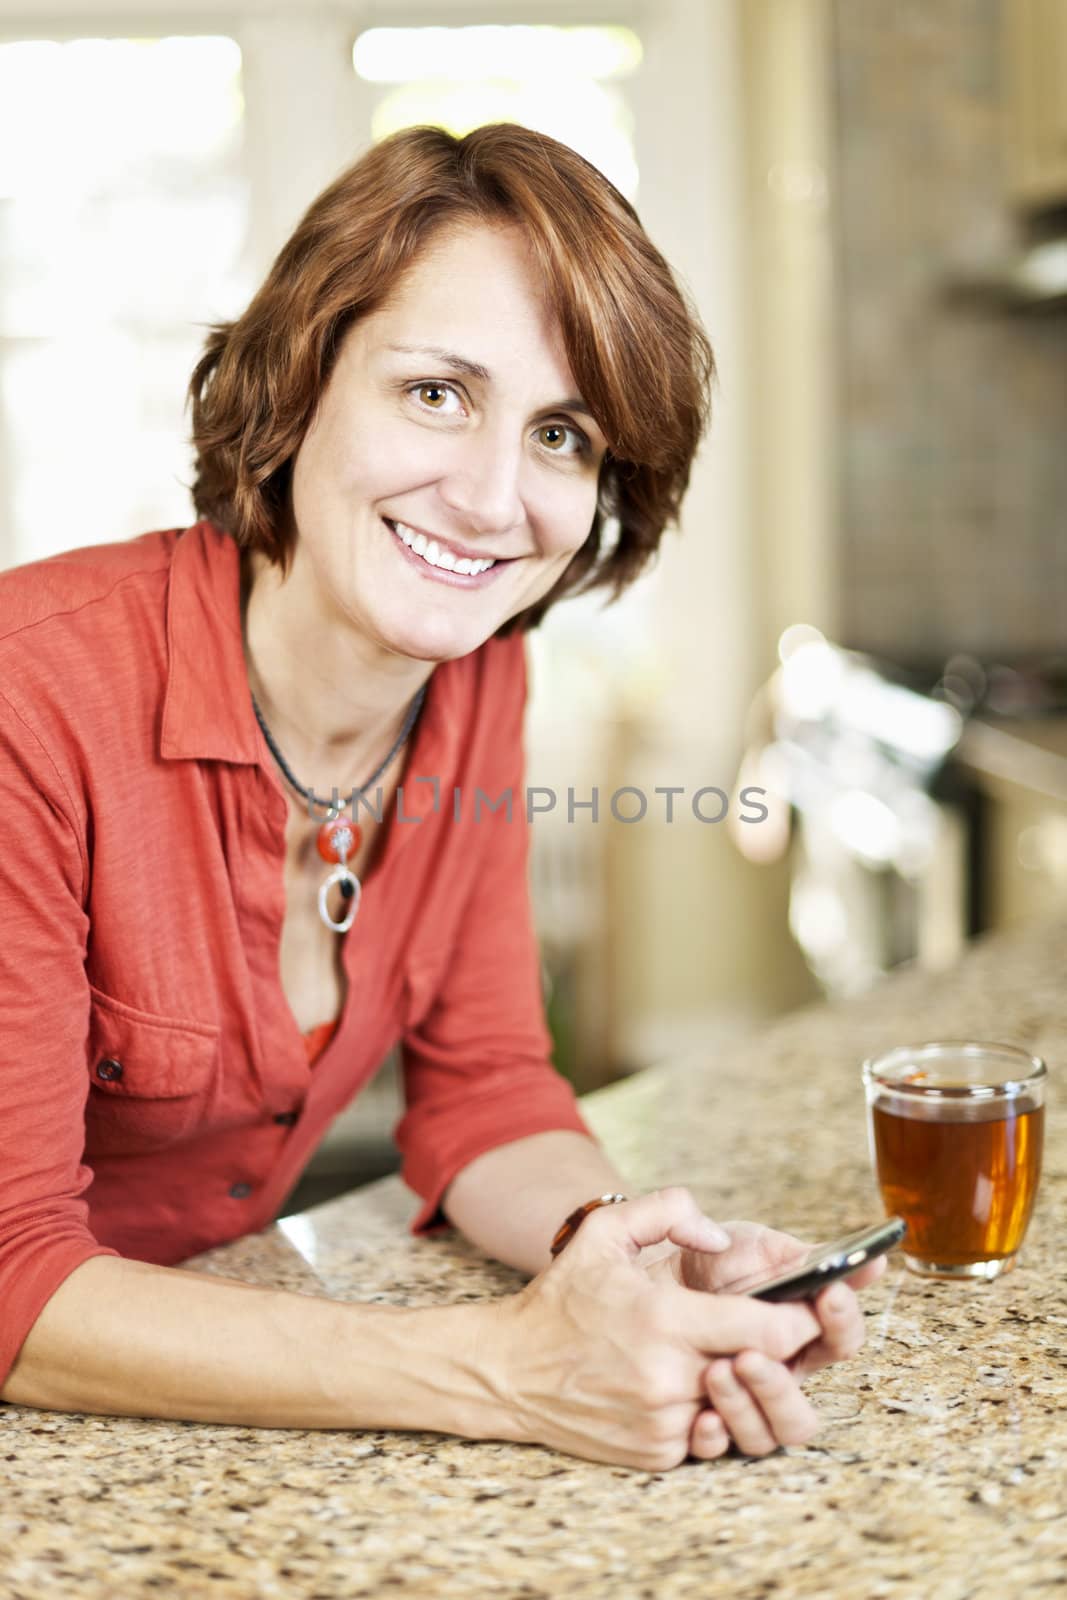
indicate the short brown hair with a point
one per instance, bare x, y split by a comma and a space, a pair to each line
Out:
636, 349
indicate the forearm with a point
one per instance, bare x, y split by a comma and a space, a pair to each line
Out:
124, 1338
511, 1200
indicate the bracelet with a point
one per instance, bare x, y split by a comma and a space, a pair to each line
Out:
574, 1221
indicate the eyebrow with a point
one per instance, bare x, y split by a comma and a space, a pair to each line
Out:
474, 369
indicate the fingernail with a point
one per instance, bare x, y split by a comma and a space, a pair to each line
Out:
836, 1298
716, 1235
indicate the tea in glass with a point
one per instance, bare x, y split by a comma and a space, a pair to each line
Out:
956, 1132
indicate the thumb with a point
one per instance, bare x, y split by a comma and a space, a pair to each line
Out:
664, 1214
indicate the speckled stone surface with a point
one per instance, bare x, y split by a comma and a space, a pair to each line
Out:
940, 1472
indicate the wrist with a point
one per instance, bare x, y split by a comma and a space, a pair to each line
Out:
446, 1371
573, 1221
501, 1368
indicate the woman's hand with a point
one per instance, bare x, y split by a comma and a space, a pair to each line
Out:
758, 1404
599, 1357
755, 1249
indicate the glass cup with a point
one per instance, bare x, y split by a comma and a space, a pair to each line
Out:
956, 1135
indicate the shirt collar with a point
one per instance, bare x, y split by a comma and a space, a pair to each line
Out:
207, 708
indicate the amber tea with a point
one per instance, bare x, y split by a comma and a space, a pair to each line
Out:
956, 1140
966, 1188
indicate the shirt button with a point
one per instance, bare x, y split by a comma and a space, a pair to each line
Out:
109, 1069
240, 1191
287, 1118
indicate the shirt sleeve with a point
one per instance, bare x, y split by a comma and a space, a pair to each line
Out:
44, 1016
478, 1067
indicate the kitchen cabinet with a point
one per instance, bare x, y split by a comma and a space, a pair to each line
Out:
1035, 102
1026, 858
1021, 771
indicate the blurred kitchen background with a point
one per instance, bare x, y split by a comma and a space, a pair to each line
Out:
864, 612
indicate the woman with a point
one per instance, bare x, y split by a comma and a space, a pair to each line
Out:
465, 360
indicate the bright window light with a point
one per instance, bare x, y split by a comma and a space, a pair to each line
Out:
396, 55
123, 212
566, 82
73, 110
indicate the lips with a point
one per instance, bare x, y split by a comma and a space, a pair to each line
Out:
442, 562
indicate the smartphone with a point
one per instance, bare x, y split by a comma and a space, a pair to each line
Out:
822, 1265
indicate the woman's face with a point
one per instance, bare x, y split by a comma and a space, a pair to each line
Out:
450, 430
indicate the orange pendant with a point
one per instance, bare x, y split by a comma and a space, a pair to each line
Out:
339, 839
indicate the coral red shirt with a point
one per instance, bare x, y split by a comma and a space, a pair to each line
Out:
158, 1095
316, 1039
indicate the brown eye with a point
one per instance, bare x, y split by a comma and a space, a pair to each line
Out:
432, 394
561, 440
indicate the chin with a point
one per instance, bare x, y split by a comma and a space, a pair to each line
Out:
425, 641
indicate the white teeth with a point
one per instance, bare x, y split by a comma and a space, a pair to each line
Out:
436, 556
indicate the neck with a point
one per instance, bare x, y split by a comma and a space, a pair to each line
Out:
334, 700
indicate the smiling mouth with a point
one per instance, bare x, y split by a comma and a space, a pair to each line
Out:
432, 554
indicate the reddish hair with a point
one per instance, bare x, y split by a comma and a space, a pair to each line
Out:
637, 351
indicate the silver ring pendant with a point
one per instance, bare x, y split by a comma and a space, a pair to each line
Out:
340, 874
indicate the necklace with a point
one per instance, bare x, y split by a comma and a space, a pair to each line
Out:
338, 837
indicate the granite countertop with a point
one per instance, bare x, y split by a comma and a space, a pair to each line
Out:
940, 1472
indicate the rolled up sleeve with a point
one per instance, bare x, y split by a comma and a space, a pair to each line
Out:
44, 1010
477, 1068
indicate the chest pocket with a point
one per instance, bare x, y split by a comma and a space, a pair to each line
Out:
152, 1079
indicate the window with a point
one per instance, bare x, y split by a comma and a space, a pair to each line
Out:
123, 209
566, 82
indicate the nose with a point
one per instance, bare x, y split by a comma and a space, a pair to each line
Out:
482, 485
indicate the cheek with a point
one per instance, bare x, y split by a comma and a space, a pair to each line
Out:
326, 467
368, 460
566, 518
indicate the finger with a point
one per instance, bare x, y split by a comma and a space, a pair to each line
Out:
741, 1415
869, 1273
664, 1214
754, 1252
789, 1414
767, 1247
722, 1324
708, 1437
841, 1318
843, 1331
